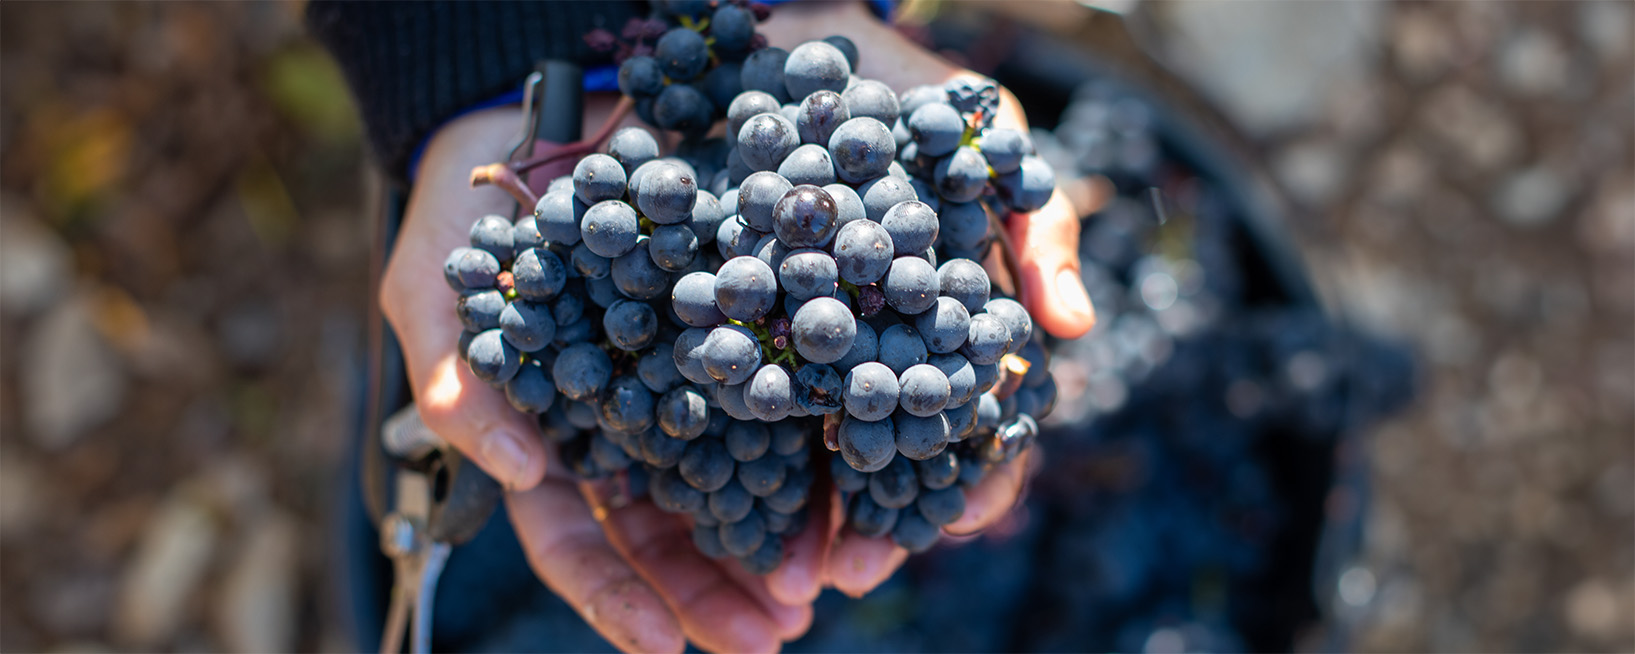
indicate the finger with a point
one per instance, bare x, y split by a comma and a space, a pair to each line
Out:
457, 406
792, 619
1047, 242
857, 564
799, 579
566, 549
992, 498
715, 612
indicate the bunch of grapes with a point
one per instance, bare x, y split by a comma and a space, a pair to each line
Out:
834, 307
684, 80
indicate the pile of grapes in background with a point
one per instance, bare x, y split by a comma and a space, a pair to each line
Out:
695, 325
1173, 512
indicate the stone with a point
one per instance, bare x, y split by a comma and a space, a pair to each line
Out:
36, 266
1532, 197
1533, 62
71, 380
1314, 172
170, 563
256, 611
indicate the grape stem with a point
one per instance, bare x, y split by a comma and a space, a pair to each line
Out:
508, 175
1007, 252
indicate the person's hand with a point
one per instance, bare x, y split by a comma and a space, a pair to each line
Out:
635, 576
1046, 241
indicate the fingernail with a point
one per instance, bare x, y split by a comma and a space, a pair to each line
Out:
1070, 292
506, 458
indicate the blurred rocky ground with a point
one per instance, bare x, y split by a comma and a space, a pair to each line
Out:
184, 274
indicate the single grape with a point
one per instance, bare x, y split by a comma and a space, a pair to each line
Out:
763, 71
818, 390
937, 128
867, 446
914, 533
845, 477
789, 499
706, 465
902, 346
919, 96
491, 358
630, 325
764, 559
961, 376
538, 275
938, 472
770, 393
682, 413
869, 519
924, 390
733, 239
610, 228
765, 139
848, 204
895, 486
814, 66
673, 247
731, 399
598, 177
988, 339
530, 391
974, 94
608, 455
632, 147
862, 149
689, 357
920, 437
747, 441
820, 113
966, 282
525, 235
527, 326
1029, 187
945, 326
865, 347
823, 330
806, 274
708, 541
581, 371
874, 100
636, 276
771, 251
910, 285
763, 476
640, 77
492, 234
732, 27
479, 310
845, 46
925, 193
757, 197
730, 354
681, 54
1016, 318
721, 84
745, 289
731, 503
589, 264
742, 538
871, 391
470, 268
672, 494
808, 164
863, 251
627, 405
1004, 148
961, 176
881, 195
668, 192
693, 299
708, 214
657, 368
961, 421
912, 225
805, 217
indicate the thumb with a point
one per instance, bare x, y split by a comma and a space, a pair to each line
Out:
477, 420
1047, 244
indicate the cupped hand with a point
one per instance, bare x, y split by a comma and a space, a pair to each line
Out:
1046, 242
632, 574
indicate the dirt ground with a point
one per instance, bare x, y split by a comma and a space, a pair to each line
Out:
184, 240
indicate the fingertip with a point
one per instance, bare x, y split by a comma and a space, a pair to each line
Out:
857, 564
515, 461
989, 500
1052, 290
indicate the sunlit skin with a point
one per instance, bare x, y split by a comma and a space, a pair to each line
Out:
630, 570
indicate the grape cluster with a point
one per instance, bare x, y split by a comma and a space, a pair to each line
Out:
687, 77
701, 342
